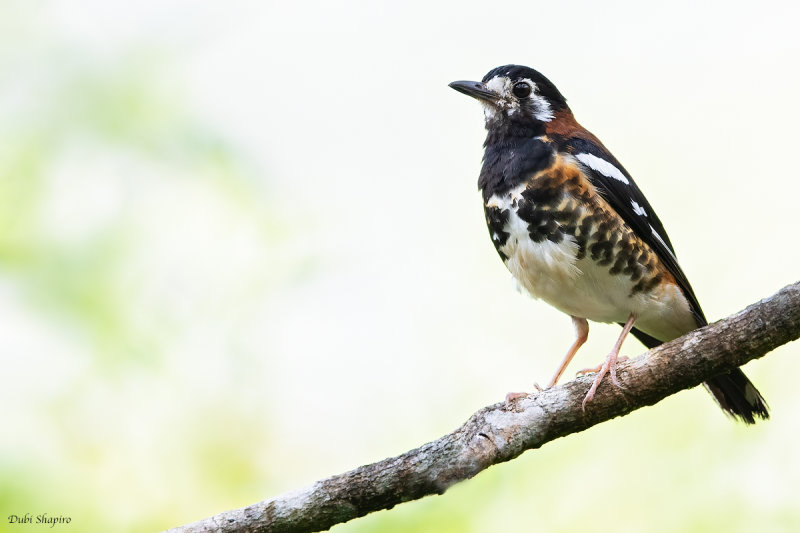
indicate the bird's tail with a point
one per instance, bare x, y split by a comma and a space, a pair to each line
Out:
738, 397
734, 393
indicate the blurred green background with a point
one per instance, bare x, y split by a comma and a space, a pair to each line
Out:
242, 249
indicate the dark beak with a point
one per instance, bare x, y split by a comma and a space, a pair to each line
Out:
474, 89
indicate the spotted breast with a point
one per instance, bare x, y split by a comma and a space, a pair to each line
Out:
563, 243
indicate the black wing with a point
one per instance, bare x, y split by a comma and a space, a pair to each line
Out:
614, 183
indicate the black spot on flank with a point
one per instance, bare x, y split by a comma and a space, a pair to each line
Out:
586, 226
614, 239
581, 248
633, 269
653, 283
625, 250
639, 287
496, 220
646, 285
604, 226
566, 216
600, 236
617, 268
607, 256
599, 250
542, 195
550, 227
543, 222
540, 228
537, 236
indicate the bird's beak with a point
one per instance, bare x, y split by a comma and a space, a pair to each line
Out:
476, 90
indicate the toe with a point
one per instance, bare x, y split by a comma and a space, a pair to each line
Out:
511, 396
590, 370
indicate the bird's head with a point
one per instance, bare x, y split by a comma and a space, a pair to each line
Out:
517, 100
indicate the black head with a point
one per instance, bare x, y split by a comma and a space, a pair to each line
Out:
516, 99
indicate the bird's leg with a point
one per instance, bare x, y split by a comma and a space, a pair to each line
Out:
581, 334
609, 366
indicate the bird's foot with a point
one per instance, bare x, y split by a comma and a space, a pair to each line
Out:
511, 396
609, 367
598, 368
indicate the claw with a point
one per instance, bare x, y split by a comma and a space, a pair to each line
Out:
609, 366
592, 370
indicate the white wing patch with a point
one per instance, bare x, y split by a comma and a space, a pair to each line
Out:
659, 239
639, 210
602, 166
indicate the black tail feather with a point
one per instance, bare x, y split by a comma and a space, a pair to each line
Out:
734, 393
738, 397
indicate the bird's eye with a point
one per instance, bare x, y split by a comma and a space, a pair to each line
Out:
521, 89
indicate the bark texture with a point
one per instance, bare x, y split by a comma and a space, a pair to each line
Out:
501, 432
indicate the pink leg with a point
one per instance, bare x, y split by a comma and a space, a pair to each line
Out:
581, 334
609, 366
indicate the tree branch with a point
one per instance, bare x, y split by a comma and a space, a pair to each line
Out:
499, 433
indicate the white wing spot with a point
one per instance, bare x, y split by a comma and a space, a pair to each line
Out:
659, 239
602, 166
639, 210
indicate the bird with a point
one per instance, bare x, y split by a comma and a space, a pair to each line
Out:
575, 230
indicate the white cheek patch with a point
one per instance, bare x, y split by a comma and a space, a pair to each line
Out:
639, 210
498, 85
602, 166
543, 111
